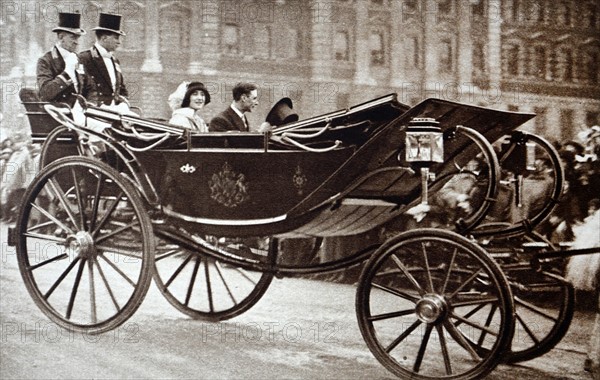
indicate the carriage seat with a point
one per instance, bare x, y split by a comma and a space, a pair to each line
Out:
40, 122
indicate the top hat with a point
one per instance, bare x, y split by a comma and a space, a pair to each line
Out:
69, 22
282, 113
193, 87
110, 23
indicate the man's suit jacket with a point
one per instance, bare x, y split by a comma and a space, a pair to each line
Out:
96, 71
227, 120
54, 84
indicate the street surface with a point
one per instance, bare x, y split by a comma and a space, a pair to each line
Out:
301, 329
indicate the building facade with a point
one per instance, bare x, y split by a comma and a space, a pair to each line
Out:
536, 56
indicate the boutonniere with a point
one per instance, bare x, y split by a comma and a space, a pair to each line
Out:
117, 67
80, 70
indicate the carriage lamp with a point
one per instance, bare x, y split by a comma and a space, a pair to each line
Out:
424, 146
424, 141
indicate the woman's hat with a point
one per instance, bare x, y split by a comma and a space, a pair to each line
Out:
193, 87
282, 113
69, 22
110, 23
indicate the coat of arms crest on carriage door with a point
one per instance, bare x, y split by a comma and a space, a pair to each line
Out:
228, 187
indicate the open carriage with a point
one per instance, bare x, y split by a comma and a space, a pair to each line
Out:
205, 215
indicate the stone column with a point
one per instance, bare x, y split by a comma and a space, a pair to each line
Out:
397, 61
465, 47
362, 74
494, 58
152, 61
204, 49
322, 37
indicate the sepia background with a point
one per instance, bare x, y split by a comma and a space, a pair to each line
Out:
536, 56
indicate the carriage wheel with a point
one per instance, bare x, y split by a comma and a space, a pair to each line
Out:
431, 304
544, 301
85, 245
481, 168
206, 288
59, 143
544, 171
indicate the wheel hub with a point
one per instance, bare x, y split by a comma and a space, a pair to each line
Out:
431, 308
81, 244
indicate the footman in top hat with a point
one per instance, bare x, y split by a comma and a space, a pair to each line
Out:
101, 67
59, 74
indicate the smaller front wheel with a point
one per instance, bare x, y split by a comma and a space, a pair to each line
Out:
431, 304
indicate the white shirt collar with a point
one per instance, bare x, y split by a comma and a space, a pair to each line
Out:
63, 52
103, 52
238, 112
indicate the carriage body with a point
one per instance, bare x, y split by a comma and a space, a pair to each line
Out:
209, 205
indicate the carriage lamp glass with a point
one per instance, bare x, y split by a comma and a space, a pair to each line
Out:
424, 140
530, 157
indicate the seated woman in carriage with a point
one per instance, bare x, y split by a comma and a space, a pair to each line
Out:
187, 102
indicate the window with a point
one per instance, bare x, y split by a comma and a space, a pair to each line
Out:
512, 58
231, 39
563, 13
478, 59
539, 60
589, 66
478, 9
174, 35
592, 118
515, 10
566, 120
262, 41
591, 16
341, 49
376, 45
444, 7
411, 46
513, 108
446, 56
565, 64
410, 9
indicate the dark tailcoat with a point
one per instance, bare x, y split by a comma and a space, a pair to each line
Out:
54, 84
227, 120
96, 71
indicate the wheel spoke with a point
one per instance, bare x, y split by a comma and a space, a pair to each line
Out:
427, 269
63, 201
402, 336
457, 334
488, 321
79, 196
96, 203
92, 292
107, 285
422, 348
410, 277
478, 301
178, 270
119, 251
474, 324
396, 292
449, 271
465, 283
107, 215
527, 329
208, 286
45, 262
49, 238
60, 278
444, 346
220, 272
192, 281
119, 271
52, 218
394, 314
117, 231
528, 305
75, 288
167, 254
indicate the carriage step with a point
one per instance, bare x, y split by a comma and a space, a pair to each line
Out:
12, 237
